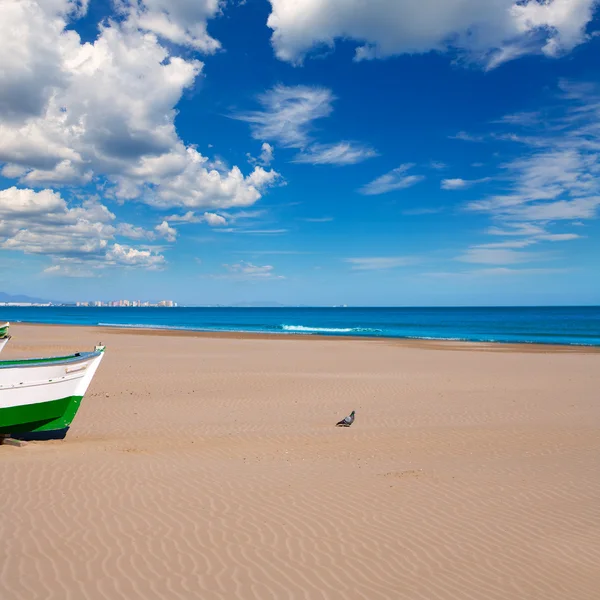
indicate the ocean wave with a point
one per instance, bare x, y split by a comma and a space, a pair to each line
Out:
145, 326
306, 329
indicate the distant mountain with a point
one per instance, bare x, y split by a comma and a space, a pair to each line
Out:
21, 298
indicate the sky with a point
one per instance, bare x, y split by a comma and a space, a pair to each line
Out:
313, 152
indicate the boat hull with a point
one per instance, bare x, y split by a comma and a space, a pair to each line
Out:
3, 342
50, 419
39, 399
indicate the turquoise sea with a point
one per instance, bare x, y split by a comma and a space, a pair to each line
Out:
547, 325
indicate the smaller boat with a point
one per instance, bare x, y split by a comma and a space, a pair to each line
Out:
4, 337
39, 397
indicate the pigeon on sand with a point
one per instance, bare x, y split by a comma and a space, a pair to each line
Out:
346, 421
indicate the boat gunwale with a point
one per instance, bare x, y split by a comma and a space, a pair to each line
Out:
49, 361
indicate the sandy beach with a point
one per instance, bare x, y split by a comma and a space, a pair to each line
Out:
209, 467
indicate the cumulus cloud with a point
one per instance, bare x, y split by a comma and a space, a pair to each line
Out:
43, 223
76, 112
488, 33
287, 118
182, 22
397, 179
267, 154
132, 257
379, 263
214, 219
166, 231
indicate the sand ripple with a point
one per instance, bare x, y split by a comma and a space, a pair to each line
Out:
214, 472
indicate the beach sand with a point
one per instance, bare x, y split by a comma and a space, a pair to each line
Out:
209, 467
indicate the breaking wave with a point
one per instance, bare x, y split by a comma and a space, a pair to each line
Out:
305, 329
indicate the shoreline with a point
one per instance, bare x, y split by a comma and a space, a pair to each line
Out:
416, 343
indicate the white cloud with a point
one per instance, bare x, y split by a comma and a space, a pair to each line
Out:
394, 180
133, 232
580, 208
181, 22
287, 117
32, 38
42, 223
76, 238
378, 263
497, 256
558, 237
185, 180
453, 184
529, 119
508, 244
132, 257
76, 112
267, 154
490, 32
288, 114
254, 231
189, 217
460, 184
517, 229
557, 175
214, 220
507, 251
340, 153
246, 271
166, 231
67, 270
318, 219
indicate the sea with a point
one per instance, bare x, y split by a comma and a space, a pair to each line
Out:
569, 325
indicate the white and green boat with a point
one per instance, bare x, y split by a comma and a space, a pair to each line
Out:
4, 337
39, 397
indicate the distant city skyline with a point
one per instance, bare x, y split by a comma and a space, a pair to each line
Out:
125, 303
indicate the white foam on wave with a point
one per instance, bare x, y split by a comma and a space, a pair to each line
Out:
306, 329
142, 326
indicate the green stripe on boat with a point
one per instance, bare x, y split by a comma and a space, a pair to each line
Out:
42, 416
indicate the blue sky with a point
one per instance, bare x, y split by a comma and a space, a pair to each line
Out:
364, 153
